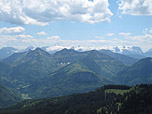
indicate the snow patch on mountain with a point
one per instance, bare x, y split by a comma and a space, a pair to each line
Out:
127, 50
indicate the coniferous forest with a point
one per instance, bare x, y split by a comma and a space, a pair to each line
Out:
109, 99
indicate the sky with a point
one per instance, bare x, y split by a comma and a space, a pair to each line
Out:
89, 24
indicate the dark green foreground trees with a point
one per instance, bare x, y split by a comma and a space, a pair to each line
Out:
110, 99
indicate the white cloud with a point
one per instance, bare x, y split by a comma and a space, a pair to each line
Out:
141, 38
7, 38
135, 7
100, 37
147, 31
24, 36
14, 40
41, 12
144, 41
42, 33
53, 38
110, 34
11, 30
150, 30
125, 34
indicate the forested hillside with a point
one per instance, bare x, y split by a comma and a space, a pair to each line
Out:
8, 97
109, 99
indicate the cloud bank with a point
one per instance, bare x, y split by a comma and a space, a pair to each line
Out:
41, 33
127, 39
41, 12
11, 30
135, 7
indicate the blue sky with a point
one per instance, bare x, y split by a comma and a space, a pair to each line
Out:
76, 23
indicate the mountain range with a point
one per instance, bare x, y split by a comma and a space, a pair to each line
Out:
131, 51
38, 74
82, 75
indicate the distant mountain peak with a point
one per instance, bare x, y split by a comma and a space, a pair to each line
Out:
30, 48
38, 49
127, 50
94, 51
38, 52
66, 51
